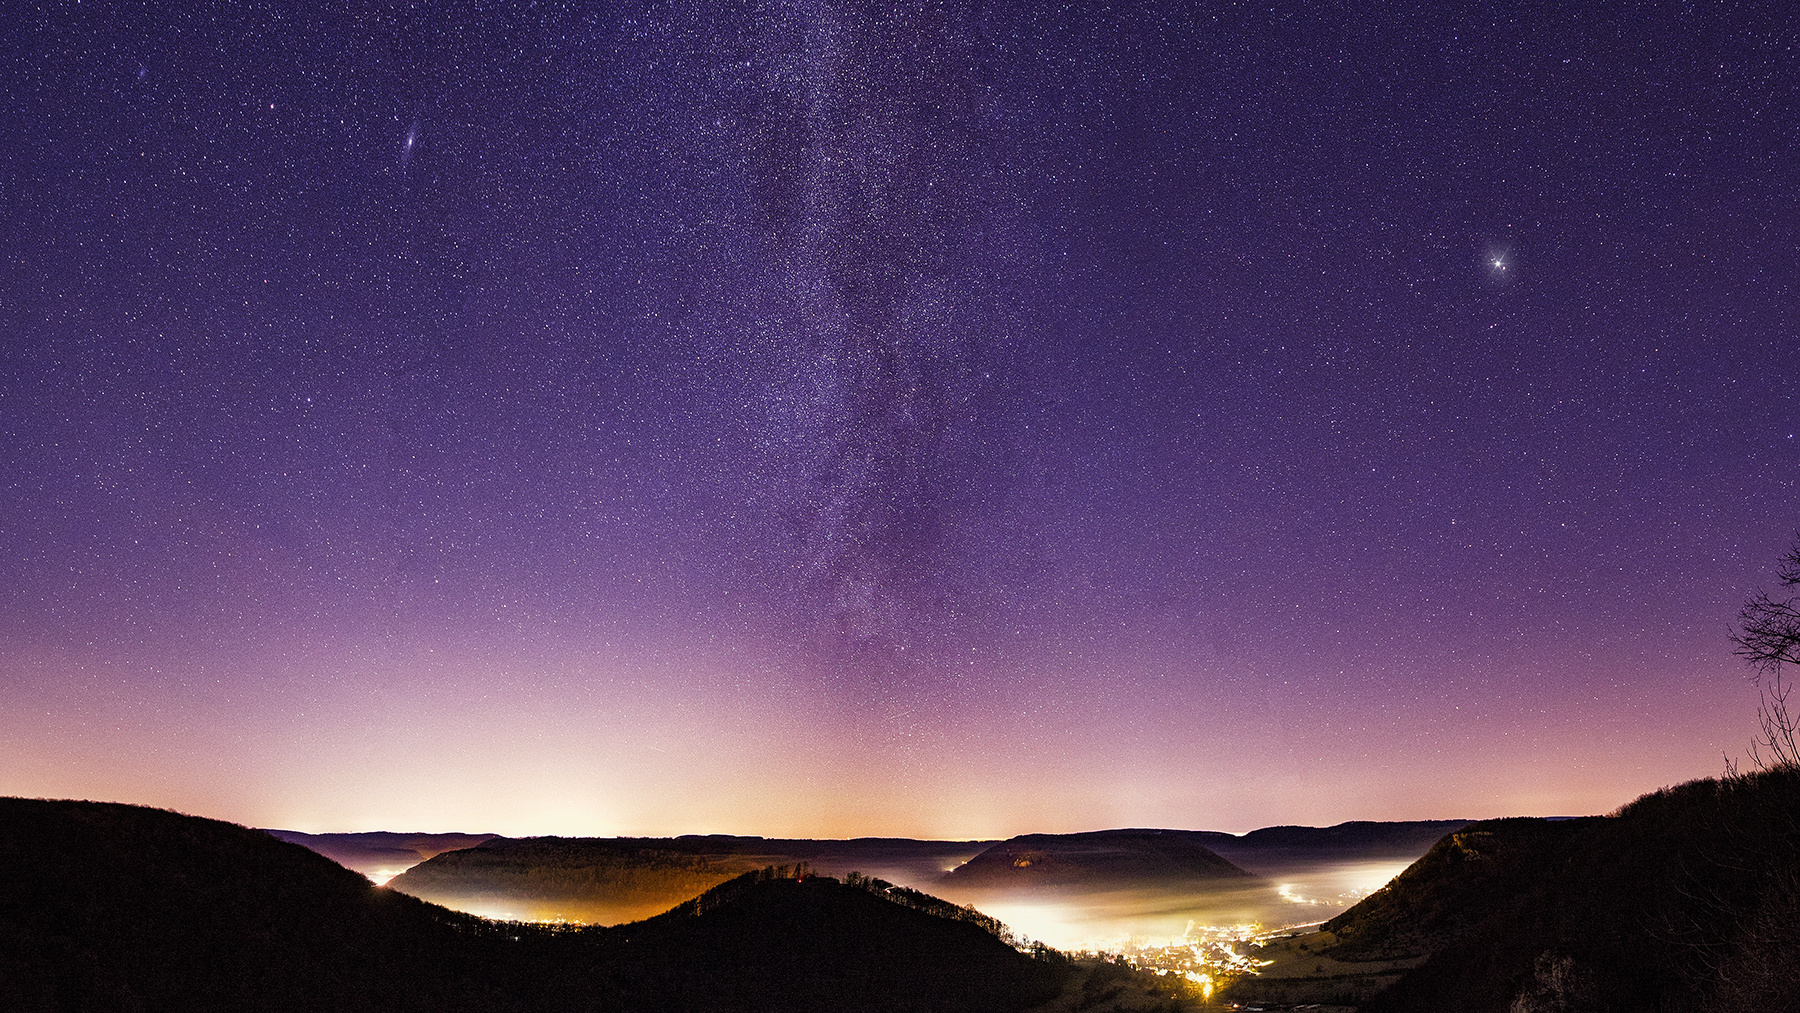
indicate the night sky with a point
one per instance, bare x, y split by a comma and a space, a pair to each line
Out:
830, 419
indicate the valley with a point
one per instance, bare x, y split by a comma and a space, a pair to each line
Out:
1684, 898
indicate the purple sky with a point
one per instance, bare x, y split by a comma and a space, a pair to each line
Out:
812, 419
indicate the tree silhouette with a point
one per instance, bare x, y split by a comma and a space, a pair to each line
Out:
1768, 637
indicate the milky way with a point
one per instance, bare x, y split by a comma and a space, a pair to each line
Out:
833, 418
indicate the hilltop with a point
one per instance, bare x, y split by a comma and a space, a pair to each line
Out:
1169, 858
813, 943
1687, 898
1272, 849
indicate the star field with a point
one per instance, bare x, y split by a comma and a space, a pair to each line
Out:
836, 419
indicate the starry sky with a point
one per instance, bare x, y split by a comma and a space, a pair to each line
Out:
943, 420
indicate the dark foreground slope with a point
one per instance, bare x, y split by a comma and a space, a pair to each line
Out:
116, 907
113, 907
1686, 899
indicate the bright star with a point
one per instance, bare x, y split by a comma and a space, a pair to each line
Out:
1499, 262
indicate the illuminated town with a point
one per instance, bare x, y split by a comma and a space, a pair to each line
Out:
1211, 956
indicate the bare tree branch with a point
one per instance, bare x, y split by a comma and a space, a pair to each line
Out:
1767, 638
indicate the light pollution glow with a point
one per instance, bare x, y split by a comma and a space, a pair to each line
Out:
564, 751
811, 428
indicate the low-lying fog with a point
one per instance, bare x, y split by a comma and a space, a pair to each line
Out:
1068, 919
1108, 919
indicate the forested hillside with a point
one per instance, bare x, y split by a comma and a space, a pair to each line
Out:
1686, 899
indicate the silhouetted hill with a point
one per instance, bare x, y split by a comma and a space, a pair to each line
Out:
586, 880
1464, 880
617, 879
1686, 899
108, 907
1359, 840
115, 907
381, 854
815, 944
614, 880
1102, 858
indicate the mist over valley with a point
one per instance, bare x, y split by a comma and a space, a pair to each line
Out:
1091, 891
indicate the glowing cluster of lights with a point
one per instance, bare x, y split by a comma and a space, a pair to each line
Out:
1206, 956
